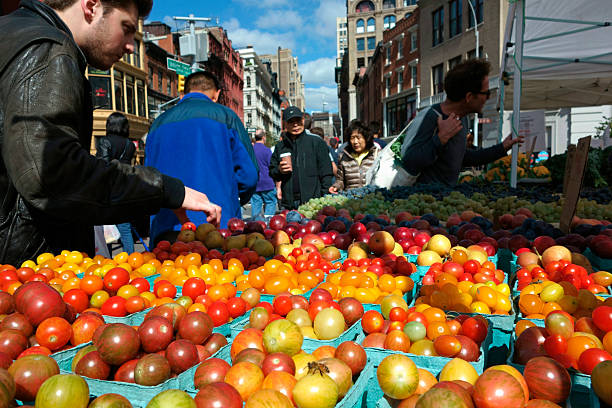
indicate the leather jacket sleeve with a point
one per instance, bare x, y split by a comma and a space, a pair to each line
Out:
45, 147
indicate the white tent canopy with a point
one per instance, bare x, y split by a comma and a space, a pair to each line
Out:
567, 54
558, 53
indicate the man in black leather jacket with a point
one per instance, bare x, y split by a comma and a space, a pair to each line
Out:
52, 191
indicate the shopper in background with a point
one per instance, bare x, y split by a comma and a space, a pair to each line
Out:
264, 200
358, 156
116, 145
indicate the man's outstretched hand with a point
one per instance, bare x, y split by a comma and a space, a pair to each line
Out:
196, 201
509, 141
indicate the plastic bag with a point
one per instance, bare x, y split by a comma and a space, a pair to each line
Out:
100, 241
111, 233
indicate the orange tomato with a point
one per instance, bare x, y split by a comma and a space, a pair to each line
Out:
91, 284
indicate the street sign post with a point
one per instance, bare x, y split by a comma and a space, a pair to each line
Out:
179, 67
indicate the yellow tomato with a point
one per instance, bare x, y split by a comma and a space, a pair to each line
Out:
127, 291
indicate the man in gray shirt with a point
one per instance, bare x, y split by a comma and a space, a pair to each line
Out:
439, 150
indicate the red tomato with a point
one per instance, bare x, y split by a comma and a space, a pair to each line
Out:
351, 262
372, 321
314, 256
77, 298
25, 273
555, 344
159, 282
602, 317
114, 306
237, 307
194, 287
316, 306
471, 266
219, 313
296, 252
188, 226
397, 314
8, 276
53, 333
282, 305
204, 299
267, 306
474, 328
364, 262
590, 358
166, 290
116, 278
417, 317
141, 284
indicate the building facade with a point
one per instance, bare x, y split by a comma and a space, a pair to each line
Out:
288, 76
366, 21
162, 83
261, 100
122, 88
450, 38
341, 39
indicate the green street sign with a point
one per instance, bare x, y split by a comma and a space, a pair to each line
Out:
179, 67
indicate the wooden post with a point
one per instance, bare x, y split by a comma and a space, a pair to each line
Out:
571, 151
574, 183
530, 152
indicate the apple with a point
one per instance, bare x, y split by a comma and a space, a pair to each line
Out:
297, 235
225, 233
327, 239
384, 217
474, 235
358, 217
280, 237
268, 233
414, 250
303, 230
542, 243
489, 249
373, 226
342, 241
390, 229
517, 242
381, 242
254, 226
518, 220
336, 225
421, 238
453, 220
328, 210
277, 222
313, 227
321, 218
421, 225
333, 234
314, 240
235, 224
290, 229
402, 233
505, 221
406, 243
284, 250
365, 237
403, 216
357, 229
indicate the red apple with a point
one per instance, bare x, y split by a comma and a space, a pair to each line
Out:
278, 222
268, 233
235, 224
313, 227
307, 248
357, 229
421, 238
381, 242
225, 233
314, 240
365, 237
328, 210
327, 239
336, 225
401, 233
358, 217
402, 216
373, 226
414, 250
333, 234
342, 241
406, 243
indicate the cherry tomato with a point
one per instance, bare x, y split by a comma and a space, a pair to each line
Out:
316, 306
602, 317
555, 344
77, 298
24, 273
471, 267
53, 333
114, 306
590, 358
282, 305
237, 307
141, 284
194, 287
219, 313
116, 278
474, 328
372, 322
397, 314
166, 290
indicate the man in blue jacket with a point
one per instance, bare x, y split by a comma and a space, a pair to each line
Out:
204, 144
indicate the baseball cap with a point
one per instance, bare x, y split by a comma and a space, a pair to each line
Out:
292, 112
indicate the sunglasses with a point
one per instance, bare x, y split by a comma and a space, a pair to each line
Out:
487, 93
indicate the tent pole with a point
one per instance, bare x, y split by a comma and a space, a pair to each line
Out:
518, 78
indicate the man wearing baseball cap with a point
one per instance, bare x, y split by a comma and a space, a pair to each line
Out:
300, 162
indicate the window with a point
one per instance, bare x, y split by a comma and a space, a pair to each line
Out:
150, 75
413, 76
129, 94
472, 54
413, 41
387, 4
140, 94
400, 48
389, 22
169, 86
361, 44
388, 56
136, 58
410, 2
369, 60
371, 43
360, 62
100, 88
437, 79
371, 25
455, 7
248, 81
400, 81
249, 118
360, 26
160, 80
387, 86
364, 7
118, 89
438, 26
248, 100
478, 9
453, 62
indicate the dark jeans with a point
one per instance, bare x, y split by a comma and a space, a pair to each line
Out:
126, 237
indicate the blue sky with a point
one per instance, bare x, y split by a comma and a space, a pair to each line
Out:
307, 27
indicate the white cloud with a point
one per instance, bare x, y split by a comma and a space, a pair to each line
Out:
279, 19
318, 72
263, 3
316, 96
262, 42
324, 22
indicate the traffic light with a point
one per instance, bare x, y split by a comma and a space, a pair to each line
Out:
181, 84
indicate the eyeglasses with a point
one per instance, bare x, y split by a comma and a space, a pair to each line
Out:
487, 93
